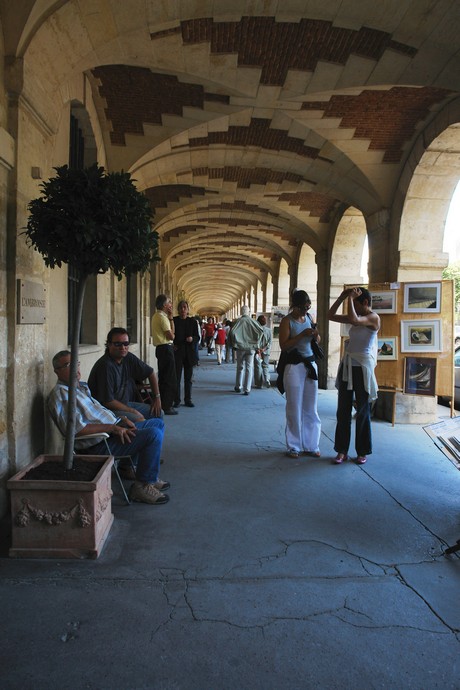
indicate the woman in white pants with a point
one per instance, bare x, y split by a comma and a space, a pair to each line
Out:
303, 425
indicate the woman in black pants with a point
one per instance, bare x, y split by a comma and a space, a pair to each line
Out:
356, 372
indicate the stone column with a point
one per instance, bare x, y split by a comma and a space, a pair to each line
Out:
421, 265
293, 278
275, 291
378, 234
323, 263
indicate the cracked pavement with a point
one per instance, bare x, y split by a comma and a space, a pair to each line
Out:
261, 572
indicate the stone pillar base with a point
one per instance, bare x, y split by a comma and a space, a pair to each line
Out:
415, 409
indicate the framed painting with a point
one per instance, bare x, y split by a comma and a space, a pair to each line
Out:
278, 313
387, 349
421, 336
384, 302
420, 297
420, 375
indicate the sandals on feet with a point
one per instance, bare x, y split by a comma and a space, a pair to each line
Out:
361, 459
293, 453
341, 457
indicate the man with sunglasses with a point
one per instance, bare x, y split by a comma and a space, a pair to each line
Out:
113, 378
143, 439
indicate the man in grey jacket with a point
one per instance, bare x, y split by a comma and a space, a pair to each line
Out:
246, 336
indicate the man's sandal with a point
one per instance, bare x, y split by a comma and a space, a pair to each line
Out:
361, 459
341, 457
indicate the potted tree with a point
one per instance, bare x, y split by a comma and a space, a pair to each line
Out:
95, 222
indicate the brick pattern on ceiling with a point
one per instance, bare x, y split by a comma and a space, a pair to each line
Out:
245, 177
387, 118
318, 205
271, 232
276, 47
240, 205
258, 133
181, 230
135, 95
162, 195
218, 260
237, 237
248, 249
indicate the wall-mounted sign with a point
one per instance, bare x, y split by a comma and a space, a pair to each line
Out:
31, 302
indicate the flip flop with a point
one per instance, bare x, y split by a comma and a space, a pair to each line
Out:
341, 457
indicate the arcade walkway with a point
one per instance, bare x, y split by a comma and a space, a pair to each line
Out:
261, 573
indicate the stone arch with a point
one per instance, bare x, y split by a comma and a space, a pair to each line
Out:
259, 296
426, 206
423, 197
269, 293
346, 259
283, 284
307, 274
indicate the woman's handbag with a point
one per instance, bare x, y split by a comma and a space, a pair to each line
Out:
315, 346
317, 349
280, 371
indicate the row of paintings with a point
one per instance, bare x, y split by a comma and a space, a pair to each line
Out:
418, 297
416, 336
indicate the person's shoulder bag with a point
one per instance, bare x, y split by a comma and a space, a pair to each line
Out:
315, 346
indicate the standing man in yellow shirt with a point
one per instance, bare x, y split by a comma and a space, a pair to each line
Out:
162, 338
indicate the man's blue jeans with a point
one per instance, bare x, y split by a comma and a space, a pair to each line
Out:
146, 445
141, 407
244, 369
363, 436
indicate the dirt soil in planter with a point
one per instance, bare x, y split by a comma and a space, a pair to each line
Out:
82, 471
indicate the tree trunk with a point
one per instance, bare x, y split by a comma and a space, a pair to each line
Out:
71, 412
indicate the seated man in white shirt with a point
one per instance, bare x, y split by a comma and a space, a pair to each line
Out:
142, 439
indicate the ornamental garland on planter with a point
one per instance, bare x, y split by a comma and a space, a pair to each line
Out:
28, 511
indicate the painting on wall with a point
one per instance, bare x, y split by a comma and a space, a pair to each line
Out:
277, 314
384, 302
421, 336
420, 297
420, 375
387, 349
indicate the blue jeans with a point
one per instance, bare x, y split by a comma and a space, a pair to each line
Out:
146, 445
244, 369
141, 407
363, 436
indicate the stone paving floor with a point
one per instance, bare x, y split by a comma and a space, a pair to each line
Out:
262, 572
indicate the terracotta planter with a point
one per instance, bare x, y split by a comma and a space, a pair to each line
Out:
61, 519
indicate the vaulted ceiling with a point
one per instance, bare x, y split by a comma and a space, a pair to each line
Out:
251, 126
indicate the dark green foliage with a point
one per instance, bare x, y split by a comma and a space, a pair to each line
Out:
452, 272
94, 221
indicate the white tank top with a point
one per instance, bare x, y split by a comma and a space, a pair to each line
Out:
363, 341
